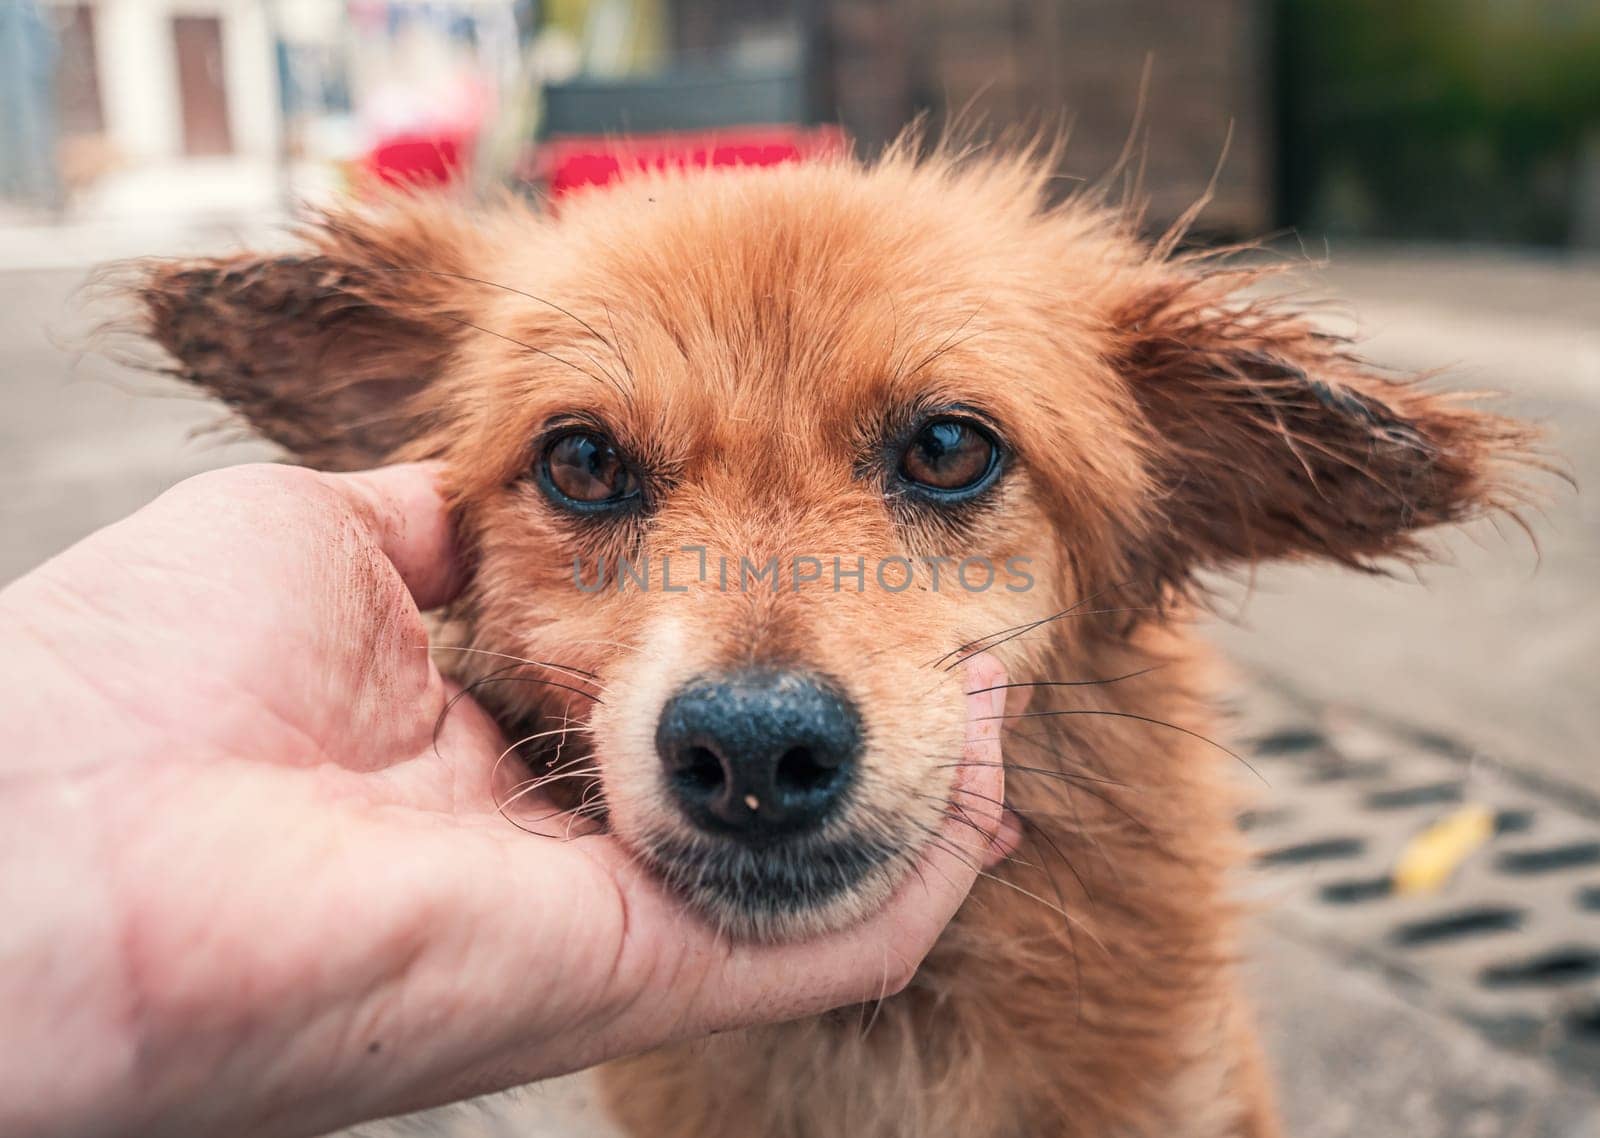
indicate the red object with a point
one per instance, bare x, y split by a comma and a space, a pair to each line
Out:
417, 159
569, 163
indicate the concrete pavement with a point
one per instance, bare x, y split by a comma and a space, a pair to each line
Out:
82, 442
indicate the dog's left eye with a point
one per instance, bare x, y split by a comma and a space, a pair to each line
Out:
584, 472
950, 457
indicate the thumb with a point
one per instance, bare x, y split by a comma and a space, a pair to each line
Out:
405, 513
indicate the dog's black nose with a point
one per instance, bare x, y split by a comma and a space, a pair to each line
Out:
759, 754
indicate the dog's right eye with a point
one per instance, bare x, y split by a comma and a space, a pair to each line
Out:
584, 471
950, 459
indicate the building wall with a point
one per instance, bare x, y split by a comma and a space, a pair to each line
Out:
1049, 64
138, 76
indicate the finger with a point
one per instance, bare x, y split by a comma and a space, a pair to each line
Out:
985, 682
989, 706
407, 516
1017, 701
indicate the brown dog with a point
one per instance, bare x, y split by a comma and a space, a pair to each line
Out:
929, 415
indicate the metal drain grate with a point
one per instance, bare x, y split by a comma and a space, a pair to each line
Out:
1510, 943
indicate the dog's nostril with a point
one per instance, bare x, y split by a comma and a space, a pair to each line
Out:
700, 769
758, 753
800, 770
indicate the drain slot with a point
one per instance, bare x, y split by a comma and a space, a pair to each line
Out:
1355, 891
1290, 742
1552, 859
1548, 970
1329, 849
1460, 925
1256, 819
1513, 821
1428, 795
1349, 770
1589, 898
1584, 1024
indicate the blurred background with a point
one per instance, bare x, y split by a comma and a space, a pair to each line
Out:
1434, 163
1440, 120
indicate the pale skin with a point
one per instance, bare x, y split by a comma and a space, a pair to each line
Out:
244, 890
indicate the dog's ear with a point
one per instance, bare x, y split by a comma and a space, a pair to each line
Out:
329, 350
1269, 438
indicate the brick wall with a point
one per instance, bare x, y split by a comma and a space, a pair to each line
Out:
1044, 62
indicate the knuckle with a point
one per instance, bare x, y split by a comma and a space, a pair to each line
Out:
278, 490
255, 482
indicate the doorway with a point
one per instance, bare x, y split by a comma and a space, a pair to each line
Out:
202, 89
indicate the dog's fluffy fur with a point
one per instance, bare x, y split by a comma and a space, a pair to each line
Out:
750, 337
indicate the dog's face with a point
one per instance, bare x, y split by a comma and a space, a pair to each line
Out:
746, 463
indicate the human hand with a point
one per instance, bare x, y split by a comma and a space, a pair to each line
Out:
248, 893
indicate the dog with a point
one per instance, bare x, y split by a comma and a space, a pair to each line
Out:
841, 378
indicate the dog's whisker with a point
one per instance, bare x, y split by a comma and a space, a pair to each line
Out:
565, 729
944, 843
564, 770
582, 323
543, 818
1036, 831
568, 668
1067, 683
582, 809
973, 646
1078, 829
557, 684
1049, 772
540, 783
1154, 722
450, 705
535, 350
1071, 920
1067, 823
940, 842
1024, 631
950, 342
555, 762
1042, 833
616, 346
501, 675
599, 642
956, 813
1092, 791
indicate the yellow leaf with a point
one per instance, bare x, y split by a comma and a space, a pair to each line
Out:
1432, 857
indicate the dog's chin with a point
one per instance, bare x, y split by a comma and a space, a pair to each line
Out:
792, 890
